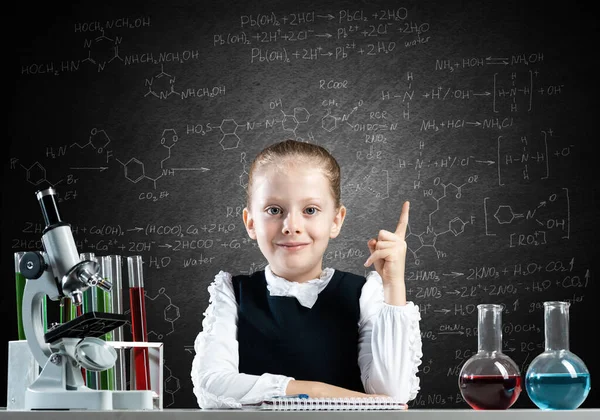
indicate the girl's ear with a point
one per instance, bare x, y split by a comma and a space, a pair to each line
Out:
337, 223
249, 223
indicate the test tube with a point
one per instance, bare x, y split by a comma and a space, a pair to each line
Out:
89, 295
105, 303
117, 307
92, 379
68, 311
139, 330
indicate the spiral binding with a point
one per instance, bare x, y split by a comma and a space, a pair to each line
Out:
333, 404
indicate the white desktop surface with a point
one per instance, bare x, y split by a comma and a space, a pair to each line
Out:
410, 414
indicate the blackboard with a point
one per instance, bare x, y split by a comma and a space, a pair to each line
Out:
145, 117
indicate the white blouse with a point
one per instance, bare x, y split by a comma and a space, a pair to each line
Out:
389, 344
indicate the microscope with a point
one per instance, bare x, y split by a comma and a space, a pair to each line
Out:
62, 351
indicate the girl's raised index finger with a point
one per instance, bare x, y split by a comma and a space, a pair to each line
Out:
403, 222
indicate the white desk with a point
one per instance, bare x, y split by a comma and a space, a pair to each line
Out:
411, 414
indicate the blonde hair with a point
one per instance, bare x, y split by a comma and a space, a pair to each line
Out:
281, 153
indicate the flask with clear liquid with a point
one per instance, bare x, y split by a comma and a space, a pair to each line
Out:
557, 379
490, 380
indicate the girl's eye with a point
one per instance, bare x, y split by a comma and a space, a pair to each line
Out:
312, 210
273, 211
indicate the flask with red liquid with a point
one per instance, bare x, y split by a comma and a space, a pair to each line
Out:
490, 380
137, 306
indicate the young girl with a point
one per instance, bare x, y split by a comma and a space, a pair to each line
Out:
296, 327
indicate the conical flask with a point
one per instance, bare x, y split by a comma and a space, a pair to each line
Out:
557, 379
490, 380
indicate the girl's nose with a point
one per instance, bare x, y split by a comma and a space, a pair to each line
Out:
292, 224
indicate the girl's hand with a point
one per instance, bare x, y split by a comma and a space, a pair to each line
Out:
388, 251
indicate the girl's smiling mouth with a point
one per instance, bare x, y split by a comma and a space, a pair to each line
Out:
293, 246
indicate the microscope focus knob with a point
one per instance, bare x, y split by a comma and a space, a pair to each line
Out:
32, 265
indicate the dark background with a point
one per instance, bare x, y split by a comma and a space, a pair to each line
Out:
145, 116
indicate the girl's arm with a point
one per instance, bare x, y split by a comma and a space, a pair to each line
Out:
321, 390
390, 347
215, 368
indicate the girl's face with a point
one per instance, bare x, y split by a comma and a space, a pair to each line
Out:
292, 216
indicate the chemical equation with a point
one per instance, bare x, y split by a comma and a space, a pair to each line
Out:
272, 37
99, 143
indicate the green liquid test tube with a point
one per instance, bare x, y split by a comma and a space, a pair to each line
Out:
20, 282
89, 300
73, 309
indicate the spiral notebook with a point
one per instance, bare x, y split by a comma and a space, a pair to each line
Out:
303, 403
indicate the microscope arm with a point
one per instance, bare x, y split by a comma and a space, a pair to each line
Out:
34, 292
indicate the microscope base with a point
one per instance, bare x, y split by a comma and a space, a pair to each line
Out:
88, 400
60, 386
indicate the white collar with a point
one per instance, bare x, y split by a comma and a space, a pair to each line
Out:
306, 292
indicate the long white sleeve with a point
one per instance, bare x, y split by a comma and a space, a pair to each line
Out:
215, 368
390, 347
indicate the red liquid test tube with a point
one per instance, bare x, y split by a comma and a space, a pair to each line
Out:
139, 330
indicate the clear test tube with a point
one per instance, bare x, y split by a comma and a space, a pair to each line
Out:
139, 329
92, 379
111, 269
89, 295
90, 303
116, 269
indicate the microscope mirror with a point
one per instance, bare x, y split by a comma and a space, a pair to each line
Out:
95, 354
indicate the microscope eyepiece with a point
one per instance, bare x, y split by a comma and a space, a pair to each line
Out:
47, 200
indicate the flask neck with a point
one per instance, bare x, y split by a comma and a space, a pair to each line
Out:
489, 332
556, 325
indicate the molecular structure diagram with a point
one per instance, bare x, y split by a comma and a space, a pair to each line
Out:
161, 85
134, 168
35, 174
98, 141
102, 50
171, 386
171, 313
329, 122
416, 242
289, 122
